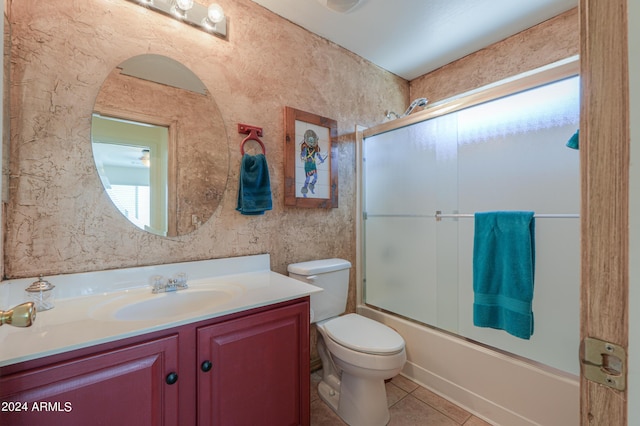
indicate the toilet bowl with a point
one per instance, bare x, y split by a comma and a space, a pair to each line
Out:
354, 373
358, 354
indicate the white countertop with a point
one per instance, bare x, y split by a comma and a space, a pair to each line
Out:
82, 318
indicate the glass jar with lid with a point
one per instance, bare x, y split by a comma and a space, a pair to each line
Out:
41, 293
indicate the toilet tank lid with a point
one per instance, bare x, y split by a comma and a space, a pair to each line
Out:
313, 267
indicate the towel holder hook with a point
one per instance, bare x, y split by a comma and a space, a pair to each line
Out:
253, 133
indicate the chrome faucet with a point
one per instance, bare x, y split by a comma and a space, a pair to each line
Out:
177, 282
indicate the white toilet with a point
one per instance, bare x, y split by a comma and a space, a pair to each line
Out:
358, 354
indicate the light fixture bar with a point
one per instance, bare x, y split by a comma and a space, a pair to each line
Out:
197, 16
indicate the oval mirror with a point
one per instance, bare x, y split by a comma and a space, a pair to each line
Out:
160, 145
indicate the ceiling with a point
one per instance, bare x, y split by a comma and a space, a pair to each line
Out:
413, 37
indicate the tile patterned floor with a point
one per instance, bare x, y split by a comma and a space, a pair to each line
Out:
409, 405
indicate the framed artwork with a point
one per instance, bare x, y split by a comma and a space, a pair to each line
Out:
310, 160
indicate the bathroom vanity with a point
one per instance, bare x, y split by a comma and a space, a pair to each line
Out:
244, 361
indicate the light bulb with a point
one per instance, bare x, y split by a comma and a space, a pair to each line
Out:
184, 5
215, 13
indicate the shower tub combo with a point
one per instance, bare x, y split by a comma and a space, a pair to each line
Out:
422, 180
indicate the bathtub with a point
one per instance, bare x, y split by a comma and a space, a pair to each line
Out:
498, 387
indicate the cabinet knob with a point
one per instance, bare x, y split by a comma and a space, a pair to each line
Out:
171, 378
206, 366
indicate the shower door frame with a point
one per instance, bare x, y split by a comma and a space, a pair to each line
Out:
560, 70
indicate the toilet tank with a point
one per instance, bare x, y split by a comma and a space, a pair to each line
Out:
332, 275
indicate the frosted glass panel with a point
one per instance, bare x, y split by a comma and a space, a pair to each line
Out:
508, 154
512, 152
401, 272
556, 300
404, 168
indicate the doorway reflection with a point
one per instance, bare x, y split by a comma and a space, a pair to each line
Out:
132, 160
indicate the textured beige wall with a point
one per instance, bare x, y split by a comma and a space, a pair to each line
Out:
4, 125
548, 42
59, 218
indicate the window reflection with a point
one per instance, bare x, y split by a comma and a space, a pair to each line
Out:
132, 159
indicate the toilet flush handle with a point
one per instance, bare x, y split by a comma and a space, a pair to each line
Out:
311, 278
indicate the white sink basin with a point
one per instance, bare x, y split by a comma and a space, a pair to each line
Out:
172, 304
144, 306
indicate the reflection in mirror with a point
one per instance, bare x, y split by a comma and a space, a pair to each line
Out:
132, 163
160, 145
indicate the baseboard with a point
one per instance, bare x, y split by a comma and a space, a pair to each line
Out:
471, 402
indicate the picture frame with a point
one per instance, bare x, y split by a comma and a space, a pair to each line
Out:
310, 160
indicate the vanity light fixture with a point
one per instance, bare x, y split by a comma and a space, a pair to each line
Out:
209, 19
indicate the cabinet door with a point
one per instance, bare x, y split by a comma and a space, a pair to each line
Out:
125, 386
260, 369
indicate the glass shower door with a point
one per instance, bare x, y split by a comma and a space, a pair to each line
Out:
506, 154
407, 175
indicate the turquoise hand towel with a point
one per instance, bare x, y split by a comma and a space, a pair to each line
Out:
254, 192
503, 271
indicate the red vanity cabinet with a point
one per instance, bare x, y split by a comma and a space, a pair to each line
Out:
126, 385
258, 374
254, 370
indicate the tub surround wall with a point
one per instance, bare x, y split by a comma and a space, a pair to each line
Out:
551, 41
61, 221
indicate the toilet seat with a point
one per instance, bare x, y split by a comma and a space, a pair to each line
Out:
364, 335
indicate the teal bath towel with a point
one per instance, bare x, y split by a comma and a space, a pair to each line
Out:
503, 269
574, 141
254, 192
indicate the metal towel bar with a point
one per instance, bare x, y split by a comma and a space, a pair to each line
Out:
439, 215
